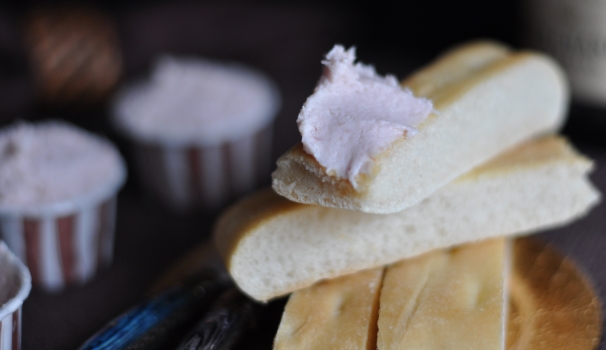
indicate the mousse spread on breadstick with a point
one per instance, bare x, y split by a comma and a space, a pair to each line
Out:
355, 114
373, 146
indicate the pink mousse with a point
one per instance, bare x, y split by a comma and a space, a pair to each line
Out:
354, 114
52, 161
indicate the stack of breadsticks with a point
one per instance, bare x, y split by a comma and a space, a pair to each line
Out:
393, 232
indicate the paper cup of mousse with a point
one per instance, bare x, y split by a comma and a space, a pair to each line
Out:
58, 187
201, 130
15, 285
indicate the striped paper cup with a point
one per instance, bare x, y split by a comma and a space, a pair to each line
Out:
201, 130
15, 284
65, 242
187, 176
